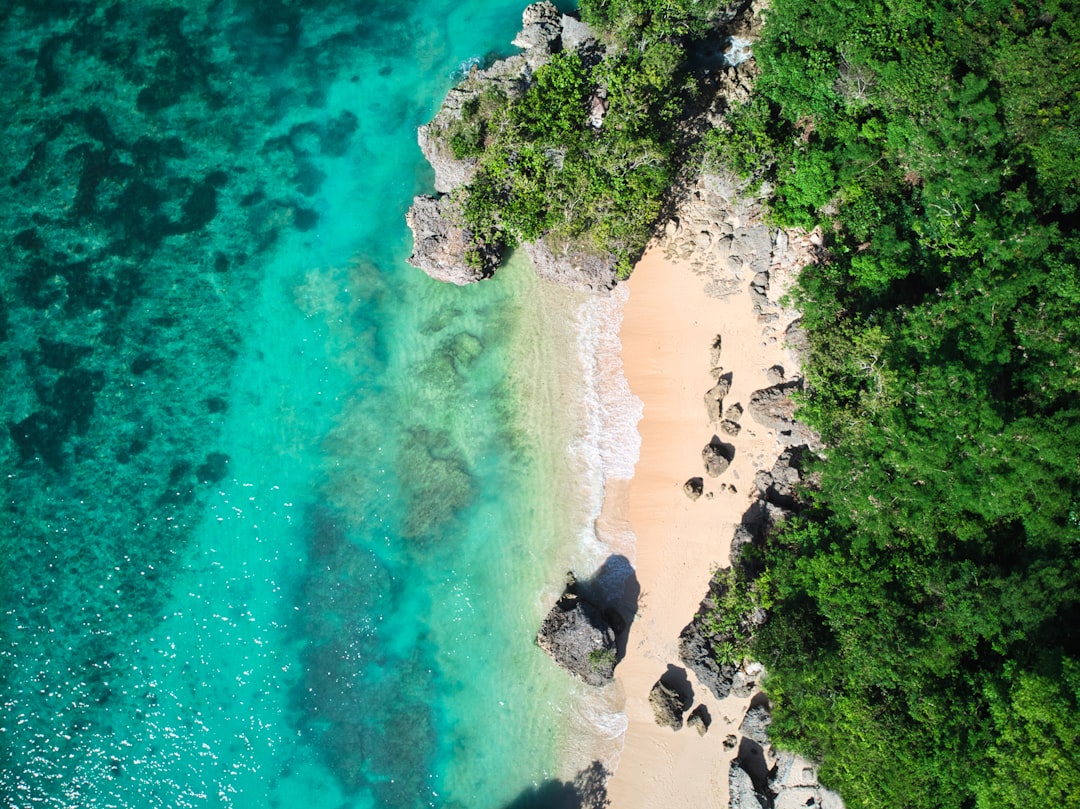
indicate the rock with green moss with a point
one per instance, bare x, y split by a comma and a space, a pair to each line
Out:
580, 638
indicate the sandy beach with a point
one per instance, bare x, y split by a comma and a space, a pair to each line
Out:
669, 327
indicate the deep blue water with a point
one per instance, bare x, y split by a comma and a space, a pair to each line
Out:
273, 532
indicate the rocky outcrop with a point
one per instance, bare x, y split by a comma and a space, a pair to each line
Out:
774, 409
440, 243
440, 247
746, 679
572, 266
541, 33
744, 795
790, 783
667, 704
779, 485
580, 638
794, 785
755, 724
697, 651
507, 77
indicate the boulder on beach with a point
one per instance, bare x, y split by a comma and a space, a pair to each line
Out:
693, 488
717, 457
580, 638
667, 705
699, 720
774, 409
714, 398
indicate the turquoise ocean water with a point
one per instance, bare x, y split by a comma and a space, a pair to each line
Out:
281, 515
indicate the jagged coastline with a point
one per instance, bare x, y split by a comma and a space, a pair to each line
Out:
447, 247
716, 227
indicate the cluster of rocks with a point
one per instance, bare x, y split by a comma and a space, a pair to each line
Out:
720, 231
671, 699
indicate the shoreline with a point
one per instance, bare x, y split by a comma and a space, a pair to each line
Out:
670, 321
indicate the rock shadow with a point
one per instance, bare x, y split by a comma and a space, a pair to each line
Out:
752, 760
675, 678
588, 790
614, 588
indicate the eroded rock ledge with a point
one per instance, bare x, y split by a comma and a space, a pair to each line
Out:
448, 252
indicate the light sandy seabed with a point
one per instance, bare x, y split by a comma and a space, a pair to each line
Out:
668, 328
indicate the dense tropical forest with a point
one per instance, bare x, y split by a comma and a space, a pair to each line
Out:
924, 636
924, 639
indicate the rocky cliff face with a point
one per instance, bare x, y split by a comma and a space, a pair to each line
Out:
441, 248
440, 245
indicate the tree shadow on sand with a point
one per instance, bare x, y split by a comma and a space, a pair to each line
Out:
588, 790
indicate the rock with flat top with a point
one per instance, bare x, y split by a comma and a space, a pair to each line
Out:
573, 266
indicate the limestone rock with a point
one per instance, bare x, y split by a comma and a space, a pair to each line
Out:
576, 35
667, 705
779, 485
774, 409
717, 457
795, 784
579, 638
541, 31
714, 351
440, 246
743, 793
572, 266
714, 398
745, 680
729, 427
693, 488
755, 724
699, 720
696, 651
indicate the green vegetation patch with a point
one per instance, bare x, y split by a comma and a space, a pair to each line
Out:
589, 152
924, 638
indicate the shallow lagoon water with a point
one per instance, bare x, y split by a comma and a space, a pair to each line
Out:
281, 515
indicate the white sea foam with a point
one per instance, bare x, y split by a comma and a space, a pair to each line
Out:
609, 443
